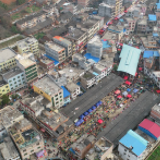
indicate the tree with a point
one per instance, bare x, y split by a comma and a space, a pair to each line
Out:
14, 29
5, 99
19, 2
115, 67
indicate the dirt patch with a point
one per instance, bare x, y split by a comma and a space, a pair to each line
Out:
8, 1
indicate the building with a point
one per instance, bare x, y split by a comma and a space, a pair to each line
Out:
74, 89
15, 77
64, 43
155, 113
55, 51
4, 87
150, 128
110, 8
7, 60
27, 64
152, 20
130, 27
50, 90
88, 80
69, 7
83, 3
131, 146
10, 116
26, 138
27, 45
95, 47
66, 95
8, 150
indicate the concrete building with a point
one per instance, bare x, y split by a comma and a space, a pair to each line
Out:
155, 113
88, 80
7, 59
66, 95
10, 116
95, 47
4, 87
27, 64
15, 78
131, 146
130, 27
50, 90
83, 3
55, 51
26, 138
28, 45
74, 89
64, 43
8, 150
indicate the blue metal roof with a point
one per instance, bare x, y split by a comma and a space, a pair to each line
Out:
158, 5
152, 17
148, 54
54, 61
105, 44
129, 59
66, 93
155, 34
132, 139
89, 56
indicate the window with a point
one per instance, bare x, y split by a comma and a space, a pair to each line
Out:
56, 95
6, 86
60, 93
14, 79
10, 80
12, 88
22, 78
18, 76
22, 75
56, 99
124, 153
41, 92
125, 150
15, 82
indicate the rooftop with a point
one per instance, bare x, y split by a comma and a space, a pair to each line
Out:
129, 59
55, 46
72, 86
24, 134
152, 17
64, 40
47, 85
6, 54
126, 120
96, 41
86, 101
12, 72
89, 56
75, 33
88, 75
143, 21
137, 143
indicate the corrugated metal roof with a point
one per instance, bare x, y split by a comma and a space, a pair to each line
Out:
129, 59
132, 139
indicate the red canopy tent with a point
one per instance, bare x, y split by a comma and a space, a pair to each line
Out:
128, 82
136, 74
100, 121
125, 77
117, 92
140, 68
121, 44
158, 91
119, 96
129, 96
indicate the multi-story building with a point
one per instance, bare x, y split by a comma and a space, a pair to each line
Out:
15, 78
50, 90
95, 47
28, 45
130, 27
28, 65
8, 150
74, 89
66, 95
55, 51
131, 146
155, 113
26, 138
4, 87
110, 8
7, 59
83, 2
64, 43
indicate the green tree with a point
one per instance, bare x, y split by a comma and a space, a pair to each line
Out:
115, 67
19, 2
5, 99
14, 29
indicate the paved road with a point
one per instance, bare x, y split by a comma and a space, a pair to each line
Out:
91, 97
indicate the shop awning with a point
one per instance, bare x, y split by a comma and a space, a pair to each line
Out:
129, 96
125, 77
128, 82
100, 121
119, 96
117, 92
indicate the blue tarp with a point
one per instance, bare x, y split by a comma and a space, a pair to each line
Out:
89, 56
155, 34
124, 30
128, 89
95, 12
66, 93
148, 54
158, 5
135, 90
121, 20
70, 149
138, 143
93, 107
54, 61
79, 83
90, 110
81, 121
82, 116
77, 123
152, 17
105, 44
96, 74
85, 113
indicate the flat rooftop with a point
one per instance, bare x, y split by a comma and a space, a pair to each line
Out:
127, 120
13, 72
88, 75
71, 86
54, 46
61, 39
27, 62
6, 54
25, 42
47, 85
91, 97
